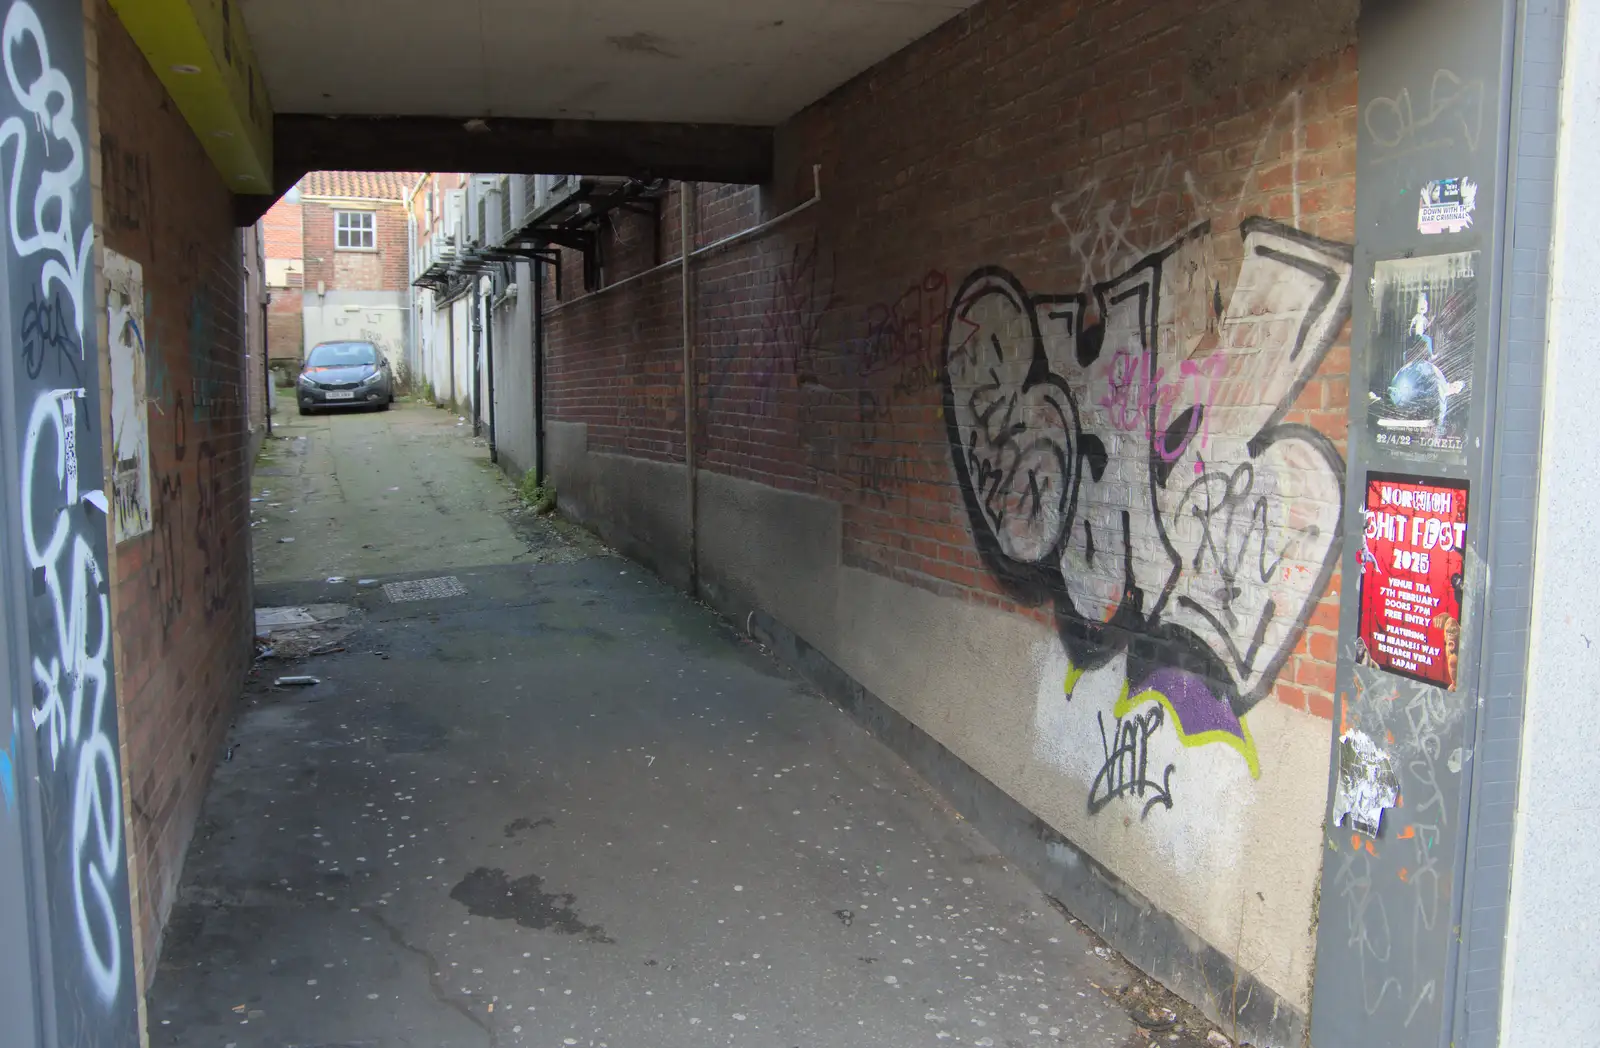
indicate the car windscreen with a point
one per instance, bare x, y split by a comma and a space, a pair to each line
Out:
342, 355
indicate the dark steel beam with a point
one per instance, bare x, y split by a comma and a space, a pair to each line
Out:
687, 152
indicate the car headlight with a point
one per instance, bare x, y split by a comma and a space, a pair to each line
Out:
370, 379
308, 382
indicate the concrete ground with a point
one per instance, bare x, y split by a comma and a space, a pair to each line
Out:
569, 806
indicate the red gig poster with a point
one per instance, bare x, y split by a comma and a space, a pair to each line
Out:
1412, 565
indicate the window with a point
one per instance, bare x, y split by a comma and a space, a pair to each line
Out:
342, 355
355, 230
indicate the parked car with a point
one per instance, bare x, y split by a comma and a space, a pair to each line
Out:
345, 375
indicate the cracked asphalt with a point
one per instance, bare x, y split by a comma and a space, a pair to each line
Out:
570, 807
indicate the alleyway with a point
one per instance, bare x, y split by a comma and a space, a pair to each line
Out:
568, 806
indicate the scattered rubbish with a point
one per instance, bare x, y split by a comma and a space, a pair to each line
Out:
239, 1008
1152, 1016
286, 540
297, 682
268, 619
334, 580
368, 545
1217, 1039
366, 582
846, 917
394, 489
265, 652
327, 649
228, 756
255, 500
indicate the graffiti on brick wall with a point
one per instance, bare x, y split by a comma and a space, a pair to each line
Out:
69, 715
212, 391
211, 536
130, 416
1105, 230
904, 338
1136, 474
796, 295
128, 197
164, 573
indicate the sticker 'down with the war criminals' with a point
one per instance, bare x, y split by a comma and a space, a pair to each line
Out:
1413, 556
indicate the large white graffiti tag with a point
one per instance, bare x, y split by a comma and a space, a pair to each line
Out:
1137, 472
51, 227
71, 678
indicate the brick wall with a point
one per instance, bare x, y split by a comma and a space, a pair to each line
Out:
1065, 339
281, 226
385, 269
286, 324
181, 591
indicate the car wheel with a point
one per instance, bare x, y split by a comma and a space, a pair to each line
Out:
383, 405
304, 410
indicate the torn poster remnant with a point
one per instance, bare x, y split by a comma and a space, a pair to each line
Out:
1367, 783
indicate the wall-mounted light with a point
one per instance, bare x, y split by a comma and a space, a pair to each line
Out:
222, 134
186, 70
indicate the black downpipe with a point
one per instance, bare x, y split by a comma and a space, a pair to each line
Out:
477, 360
538, 372
266, 362
488, 349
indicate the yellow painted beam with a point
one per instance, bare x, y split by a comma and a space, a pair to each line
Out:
201, 52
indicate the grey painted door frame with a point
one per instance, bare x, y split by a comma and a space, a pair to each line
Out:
1456, 116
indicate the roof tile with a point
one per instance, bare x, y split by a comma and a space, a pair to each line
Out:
371, 185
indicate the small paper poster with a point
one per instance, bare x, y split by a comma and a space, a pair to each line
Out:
1424, 337
1413, 557
1446, 206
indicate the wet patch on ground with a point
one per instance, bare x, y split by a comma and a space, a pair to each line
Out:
492, 893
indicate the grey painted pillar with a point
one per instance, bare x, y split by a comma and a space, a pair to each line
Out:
66, 950
1452, 237
1552, 967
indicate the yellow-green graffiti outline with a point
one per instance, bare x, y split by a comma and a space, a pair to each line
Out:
1245, 747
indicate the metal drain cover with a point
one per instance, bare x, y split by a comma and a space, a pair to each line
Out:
424, 589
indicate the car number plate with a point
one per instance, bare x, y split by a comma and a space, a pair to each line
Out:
341, 394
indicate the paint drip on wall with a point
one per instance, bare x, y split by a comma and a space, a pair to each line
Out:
130, 426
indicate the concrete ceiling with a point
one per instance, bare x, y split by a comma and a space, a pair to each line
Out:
716, 61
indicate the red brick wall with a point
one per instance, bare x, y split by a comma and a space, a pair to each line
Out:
282, 227
1063, 144
181, 592
286, 325
386, 269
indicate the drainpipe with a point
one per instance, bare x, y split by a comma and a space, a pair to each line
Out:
266, 360
488, 348
538, 371
477, 362
686, 192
